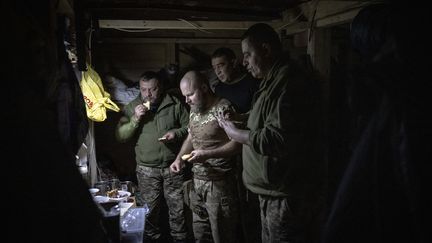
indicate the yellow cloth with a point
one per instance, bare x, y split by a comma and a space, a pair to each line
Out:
95, 97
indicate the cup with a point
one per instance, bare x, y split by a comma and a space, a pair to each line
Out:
103, 187
128, 186
114, 184
124, 186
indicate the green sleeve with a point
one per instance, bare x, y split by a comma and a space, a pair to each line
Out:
183, 116
126, 128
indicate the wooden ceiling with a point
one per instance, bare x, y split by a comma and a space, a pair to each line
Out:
209, 20
292, 16
208, 10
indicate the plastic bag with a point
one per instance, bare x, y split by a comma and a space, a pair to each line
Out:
95, 97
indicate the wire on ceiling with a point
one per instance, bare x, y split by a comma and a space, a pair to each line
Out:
196, 26
134, 31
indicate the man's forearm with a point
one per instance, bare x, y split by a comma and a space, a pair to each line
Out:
240, 136
229, 149
186, 147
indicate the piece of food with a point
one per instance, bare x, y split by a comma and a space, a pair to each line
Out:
113, 193
147, 104
186, 156
162, 139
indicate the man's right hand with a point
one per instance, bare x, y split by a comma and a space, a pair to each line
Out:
176, 166
226, 124
140, 110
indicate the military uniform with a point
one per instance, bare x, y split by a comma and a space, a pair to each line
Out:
215, 203
284, 162
153, 158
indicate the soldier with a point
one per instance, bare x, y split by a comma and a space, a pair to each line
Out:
162, 122
236, 85
283, 156
214, 192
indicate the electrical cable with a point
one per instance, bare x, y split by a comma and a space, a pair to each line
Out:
134, 31
196, 26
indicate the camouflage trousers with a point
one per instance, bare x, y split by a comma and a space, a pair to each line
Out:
154, 184
289, 221
219, 200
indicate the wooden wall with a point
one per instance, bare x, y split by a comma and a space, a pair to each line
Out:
128, 58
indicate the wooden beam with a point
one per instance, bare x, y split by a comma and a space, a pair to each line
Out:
295, 28
319, 50
326, 9
341, 18
173, 40
172, 24
328, 13
134, 13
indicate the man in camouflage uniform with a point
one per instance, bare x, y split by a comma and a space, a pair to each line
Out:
214, 193
283, 153
162, 128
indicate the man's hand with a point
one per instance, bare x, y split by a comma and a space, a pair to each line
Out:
225, 124
140, 110
232, 131
168, 137
176, 166
198, 156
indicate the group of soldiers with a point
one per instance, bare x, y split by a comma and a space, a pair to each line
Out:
256, 116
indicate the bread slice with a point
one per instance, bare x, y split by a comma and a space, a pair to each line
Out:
147, 104
186, 156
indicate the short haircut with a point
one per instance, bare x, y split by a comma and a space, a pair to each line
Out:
224, 52
150, 75
261, 33
196, 77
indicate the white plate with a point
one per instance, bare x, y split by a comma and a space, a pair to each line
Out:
123, 195
101, 199
93, 190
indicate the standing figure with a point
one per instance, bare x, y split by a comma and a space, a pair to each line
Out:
160, 122
283, 158
213, 197
383, 193
238, 86
235, 84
